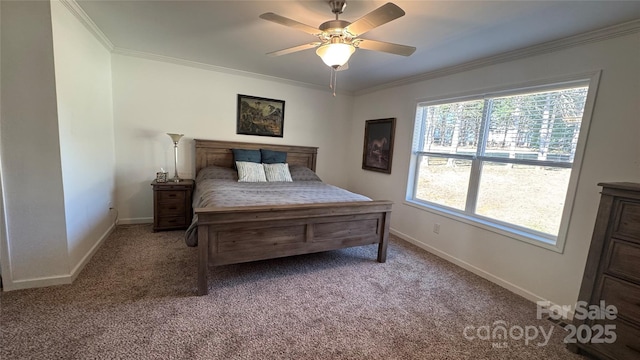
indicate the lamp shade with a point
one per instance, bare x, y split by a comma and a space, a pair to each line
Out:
335, 55
175, 137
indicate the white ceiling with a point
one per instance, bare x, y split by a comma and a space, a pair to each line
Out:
229, 33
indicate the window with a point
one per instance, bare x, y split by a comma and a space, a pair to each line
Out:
500, 160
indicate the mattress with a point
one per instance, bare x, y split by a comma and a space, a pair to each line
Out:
228, 192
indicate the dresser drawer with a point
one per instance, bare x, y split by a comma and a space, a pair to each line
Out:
170, 196
171, 221
623, 260
624, 295
626, 346
627, 223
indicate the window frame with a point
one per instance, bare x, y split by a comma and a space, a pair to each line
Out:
554, 243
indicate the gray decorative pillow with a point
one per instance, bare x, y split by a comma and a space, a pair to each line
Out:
217, 172
302, 173
277, 172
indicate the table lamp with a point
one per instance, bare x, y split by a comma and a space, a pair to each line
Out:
175, 138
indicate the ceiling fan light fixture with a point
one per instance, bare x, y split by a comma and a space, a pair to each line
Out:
336, 54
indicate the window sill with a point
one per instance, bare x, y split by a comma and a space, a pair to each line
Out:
481, 223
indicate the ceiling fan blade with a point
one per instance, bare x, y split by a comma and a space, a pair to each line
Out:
377, 17
290, 23
397, 49
294, 49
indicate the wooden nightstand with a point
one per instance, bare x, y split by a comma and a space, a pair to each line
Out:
172, 205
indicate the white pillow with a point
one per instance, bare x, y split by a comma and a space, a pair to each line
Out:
250, 172
277, 172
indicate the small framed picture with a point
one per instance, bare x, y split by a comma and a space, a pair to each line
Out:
260, 116
378, 145
161, 177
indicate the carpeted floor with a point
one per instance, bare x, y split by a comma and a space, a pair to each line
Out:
136, 300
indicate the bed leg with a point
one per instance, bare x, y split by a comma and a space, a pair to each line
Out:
203, 260
382, 247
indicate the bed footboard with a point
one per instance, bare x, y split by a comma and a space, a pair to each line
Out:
235, 235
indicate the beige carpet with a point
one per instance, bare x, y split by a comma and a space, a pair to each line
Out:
135, 300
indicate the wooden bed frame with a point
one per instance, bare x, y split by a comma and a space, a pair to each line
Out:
230, 235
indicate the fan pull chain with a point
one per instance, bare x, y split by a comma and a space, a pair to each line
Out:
333, 81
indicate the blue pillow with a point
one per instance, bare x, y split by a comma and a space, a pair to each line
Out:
273, 157
246, 155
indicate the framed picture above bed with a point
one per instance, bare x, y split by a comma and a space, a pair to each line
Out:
378, 145
260, 116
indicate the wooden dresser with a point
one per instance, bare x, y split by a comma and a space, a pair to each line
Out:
172, 205
612, 272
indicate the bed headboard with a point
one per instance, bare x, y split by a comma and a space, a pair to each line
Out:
213, 152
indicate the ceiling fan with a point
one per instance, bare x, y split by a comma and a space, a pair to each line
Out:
339, 39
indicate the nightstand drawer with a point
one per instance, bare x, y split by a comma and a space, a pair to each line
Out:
172, 208
171, 196
171, 221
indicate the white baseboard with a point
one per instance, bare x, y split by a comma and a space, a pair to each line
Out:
58, 279
476, 270
132, 221
36, 282
85, 260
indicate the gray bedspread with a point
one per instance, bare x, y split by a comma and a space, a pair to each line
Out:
230, 193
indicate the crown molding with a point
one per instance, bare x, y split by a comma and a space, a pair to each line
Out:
221, 69
82, 16
539, 49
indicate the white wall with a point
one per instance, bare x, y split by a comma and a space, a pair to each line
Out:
36, 246
612, 154
152, 98
85, 121
58, 159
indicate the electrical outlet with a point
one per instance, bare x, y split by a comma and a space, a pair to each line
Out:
110, 205
436, 228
